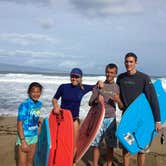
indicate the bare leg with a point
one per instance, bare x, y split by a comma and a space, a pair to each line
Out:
96, 156
76, 132
141, 159
126, 157
22, 157
109, 156
30, 154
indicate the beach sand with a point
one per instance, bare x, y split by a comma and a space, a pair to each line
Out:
156, 156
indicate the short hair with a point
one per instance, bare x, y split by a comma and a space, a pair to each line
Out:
34, 84
111, 66
131, 54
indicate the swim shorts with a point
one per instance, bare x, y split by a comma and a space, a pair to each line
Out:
29, 140
107, 131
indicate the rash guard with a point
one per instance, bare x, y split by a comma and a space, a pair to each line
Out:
28, 113
132, 86
71, 97
108, 91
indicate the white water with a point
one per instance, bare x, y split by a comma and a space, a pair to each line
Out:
13, 90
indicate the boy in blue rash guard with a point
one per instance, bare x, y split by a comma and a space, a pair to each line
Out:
71, 95
27, 125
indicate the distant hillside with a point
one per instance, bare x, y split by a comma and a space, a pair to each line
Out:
5, 68
10, 68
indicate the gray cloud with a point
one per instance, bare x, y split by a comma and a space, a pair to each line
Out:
107, 7
33, 54
41, 2
91, 8
95, 8
28, 39
68, 63
46, 23
51, 60
27, 1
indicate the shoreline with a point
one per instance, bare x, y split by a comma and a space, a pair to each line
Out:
156, 156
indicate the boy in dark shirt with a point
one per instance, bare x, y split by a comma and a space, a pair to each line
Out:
132, 83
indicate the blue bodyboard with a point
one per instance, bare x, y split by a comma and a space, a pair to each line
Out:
136, 129
43, 145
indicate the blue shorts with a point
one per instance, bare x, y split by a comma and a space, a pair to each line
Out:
107, 131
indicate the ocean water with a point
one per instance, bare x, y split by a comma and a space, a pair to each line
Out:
13, 90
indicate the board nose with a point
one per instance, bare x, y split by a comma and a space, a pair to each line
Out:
163, 83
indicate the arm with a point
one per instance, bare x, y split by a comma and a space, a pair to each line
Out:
40, 121
58, 94
121, 104
94, 97
117, 99
152, 98
56, 107
22, 110
100, 84
24, 145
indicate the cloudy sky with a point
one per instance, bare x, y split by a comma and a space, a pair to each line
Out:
62, 34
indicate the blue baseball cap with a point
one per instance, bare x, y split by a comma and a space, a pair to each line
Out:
77, 72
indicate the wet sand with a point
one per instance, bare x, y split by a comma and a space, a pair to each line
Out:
156, 156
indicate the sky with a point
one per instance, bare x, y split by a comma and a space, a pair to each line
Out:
89, 34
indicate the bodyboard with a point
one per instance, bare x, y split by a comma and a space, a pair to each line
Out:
43, 145
136, 129
89, 128
62, 139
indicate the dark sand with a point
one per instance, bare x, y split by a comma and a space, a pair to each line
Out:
156, 156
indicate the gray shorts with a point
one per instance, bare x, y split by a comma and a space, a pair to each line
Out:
106, 131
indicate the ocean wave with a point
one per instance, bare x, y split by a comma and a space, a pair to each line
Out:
27, 78
13, 90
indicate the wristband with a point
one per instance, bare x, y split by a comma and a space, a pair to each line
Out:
22, 139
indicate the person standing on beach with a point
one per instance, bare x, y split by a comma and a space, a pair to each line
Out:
27, 125
132, 83
71, 95
110, 94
